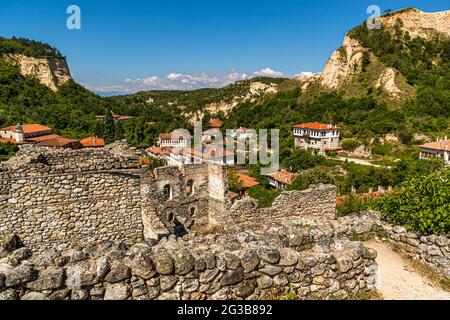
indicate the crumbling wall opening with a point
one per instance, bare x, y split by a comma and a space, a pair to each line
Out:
190, 188
191, 193
167, 191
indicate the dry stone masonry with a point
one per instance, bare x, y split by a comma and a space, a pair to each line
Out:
432, 250
53, 197
195, 267
94, 225
50, 198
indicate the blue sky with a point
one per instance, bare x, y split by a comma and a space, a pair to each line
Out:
196, 42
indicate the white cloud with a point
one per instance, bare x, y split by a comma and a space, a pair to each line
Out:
305, 74
174, 76
268, 72
180, 81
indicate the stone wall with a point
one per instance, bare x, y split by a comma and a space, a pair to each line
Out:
179, 199
432, 250
318, 203
243, 266
51, 198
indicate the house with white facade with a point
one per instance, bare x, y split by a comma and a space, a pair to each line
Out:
436, 150
320, 136
243, 133
281, 179
21, 133
172, 140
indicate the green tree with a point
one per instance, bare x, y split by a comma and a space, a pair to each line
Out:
422, 204
314, 176
110, 128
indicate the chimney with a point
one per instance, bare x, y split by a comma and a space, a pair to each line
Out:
20, 134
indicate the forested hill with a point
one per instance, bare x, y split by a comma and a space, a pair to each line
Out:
69, 110
393, 81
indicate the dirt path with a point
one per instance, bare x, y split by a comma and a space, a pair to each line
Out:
398, 279
359, 161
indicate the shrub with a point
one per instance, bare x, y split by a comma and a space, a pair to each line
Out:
264, 196
381, 149
7, 150
313, 176
421, 205
350, 145
352, 205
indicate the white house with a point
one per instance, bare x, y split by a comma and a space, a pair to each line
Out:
436, 150
21, 133
281, 179
172, 140
243, 133
320, 136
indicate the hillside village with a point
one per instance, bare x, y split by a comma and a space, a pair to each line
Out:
121, 192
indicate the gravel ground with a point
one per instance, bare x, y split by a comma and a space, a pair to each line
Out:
399, 281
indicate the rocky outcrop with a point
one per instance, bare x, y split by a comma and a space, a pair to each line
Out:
50, 71
387, 82
256, 90
345, 65
419, 23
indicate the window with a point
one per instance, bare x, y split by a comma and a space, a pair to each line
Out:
190, 187
192, 212
167, 192
171, 217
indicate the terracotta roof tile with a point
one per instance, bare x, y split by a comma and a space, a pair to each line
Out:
316, 126
247, 181
43, 138
57, 142
28, 128
215, 123
159, 151
443, 145
92, 142
284, 177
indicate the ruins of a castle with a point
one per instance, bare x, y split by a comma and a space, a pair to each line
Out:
53, 197
94, 224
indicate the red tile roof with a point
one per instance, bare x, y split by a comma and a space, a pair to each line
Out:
443, 145
28, 128
362, 196
159, 151
215, 123
316, 126
57, 142
170, 136
43, 138
247, 181
92, 142
165, 136
284, 177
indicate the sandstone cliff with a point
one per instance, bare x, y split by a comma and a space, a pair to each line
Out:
256, 90
50, 71
344, 67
